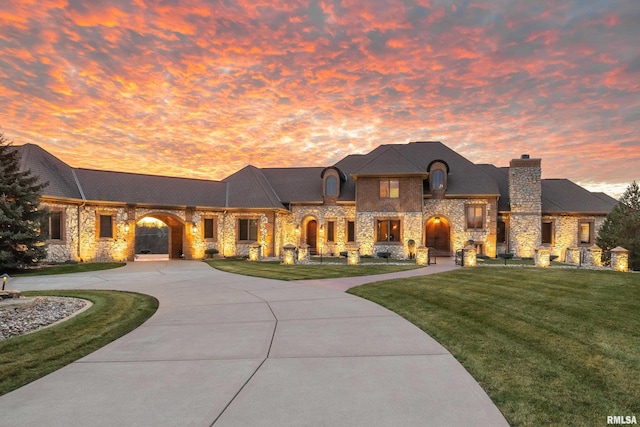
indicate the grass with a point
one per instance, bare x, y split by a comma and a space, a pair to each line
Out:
550, 346
68, 268
113, 314
275, 270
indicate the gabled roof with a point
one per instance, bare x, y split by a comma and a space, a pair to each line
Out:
501, 175
249, 188
387, 160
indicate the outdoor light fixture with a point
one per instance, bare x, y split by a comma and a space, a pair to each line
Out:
126, 227
194, 227
437, 220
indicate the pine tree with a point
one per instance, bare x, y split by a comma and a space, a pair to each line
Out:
622, 226
21, 241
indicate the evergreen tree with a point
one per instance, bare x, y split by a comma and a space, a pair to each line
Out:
622, 226
21, 242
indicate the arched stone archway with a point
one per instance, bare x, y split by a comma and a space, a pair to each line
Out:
438, 236
176, 244
310, 230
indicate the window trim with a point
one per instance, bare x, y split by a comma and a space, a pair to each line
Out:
466, 216
214, 229
99, 230
591, 224
330, 228
249, 240
552, 241
62, 225
388, 192
346, 230
389, 234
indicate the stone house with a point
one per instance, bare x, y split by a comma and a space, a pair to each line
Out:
393, 199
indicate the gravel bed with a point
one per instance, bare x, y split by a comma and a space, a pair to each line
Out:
24, 315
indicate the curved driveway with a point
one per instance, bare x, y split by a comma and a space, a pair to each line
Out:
233, 350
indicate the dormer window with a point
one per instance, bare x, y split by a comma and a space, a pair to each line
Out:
437, 180
438, 171
331, 181
331, 186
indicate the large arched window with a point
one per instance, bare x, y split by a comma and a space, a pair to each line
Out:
331, 186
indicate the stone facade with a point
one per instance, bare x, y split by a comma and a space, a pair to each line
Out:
525, 194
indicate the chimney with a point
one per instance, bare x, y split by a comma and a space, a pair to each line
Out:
525, 196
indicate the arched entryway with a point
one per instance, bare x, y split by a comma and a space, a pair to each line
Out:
438, 236
169, 235
312, 235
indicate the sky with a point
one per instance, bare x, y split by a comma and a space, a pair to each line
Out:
201, 88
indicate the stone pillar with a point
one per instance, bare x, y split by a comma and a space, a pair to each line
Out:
289, 254
572, 256
620, 259
254, 252
542, 257
353, 255
422, 255
303, 253
525, 193
593, 256
469, 256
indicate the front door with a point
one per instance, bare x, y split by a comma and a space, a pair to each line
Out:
312, 229
438, 237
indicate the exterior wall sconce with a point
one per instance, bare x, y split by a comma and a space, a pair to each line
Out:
126, 227
194, 228
437, 220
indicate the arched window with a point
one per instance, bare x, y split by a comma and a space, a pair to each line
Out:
331, 186
437, 180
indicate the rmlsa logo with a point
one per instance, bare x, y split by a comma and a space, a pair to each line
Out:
621, 420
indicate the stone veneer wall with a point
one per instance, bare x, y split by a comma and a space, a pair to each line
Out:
525, 194
454, 211
566, 232
411, 228
338, 213
65, 249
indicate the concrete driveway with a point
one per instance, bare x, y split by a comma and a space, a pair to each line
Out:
233, 350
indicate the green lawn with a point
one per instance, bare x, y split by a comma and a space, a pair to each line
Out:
550, 346
275, 270
68, 268
28, 357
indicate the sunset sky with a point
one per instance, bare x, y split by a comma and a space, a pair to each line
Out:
201, 88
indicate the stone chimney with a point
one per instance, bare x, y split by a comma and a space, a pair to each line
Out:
525, 194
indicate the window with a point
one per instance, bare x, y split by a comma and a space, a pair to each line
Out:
248, 229
209, 228
331, 231
388, 230
53, 226
106, 227
389, 189
501, 232
585, 230
547, 232
437, 180
475, 217
331, 186
351, 231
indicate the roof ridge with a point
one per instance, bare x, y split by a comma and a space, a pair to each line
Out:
146, 175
